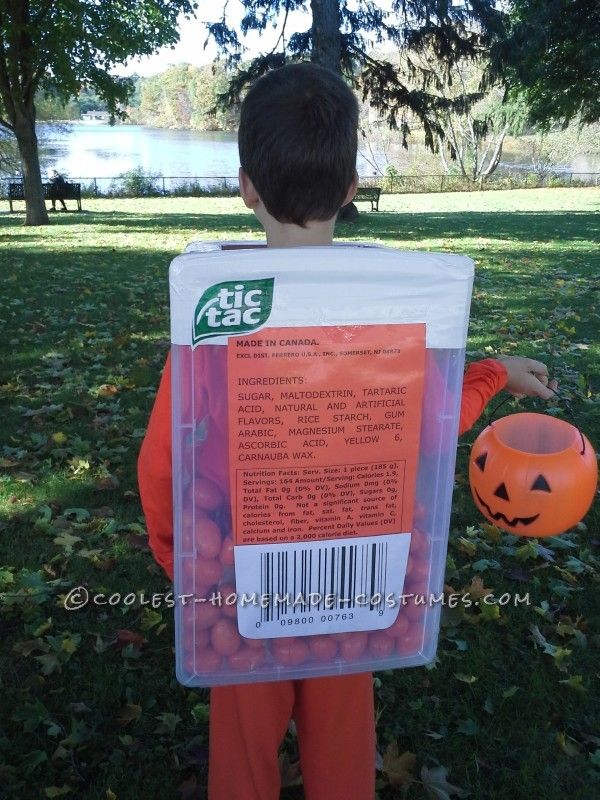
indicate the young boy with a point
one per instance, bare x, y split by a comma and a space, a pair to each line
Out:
298, 144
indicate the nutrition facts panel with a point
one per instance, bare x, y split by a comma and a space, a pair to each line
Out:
324, 426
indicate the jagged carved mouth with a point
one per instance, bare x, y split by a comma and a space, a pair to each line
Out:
499, 515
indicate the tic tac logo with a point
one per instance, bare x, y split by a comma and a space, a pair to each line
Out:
232, 307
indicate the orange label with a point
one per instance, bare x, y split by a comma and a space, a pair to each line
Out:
324, 426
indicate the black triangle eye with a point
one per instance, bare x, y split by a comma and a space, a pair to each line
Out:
501, 492
541, 484
480, 461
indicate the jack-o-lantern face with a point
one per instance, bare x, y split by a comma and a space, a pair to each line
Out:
533, 475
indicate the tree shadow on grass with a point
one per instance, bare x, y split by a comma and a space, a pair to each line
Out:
543, 226
525, 226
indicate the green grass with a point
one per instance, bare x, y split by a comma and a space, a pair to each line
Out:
84, 306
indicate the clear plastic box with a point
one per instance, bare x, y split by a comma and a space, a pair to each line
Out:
316, 397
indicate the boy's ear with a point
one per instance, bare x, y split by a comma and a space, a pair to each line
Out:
247, 191
352, 190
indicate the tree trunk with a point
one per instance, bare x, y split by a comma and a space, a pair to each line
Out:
326, 37
327, 52
35, 206
495, 159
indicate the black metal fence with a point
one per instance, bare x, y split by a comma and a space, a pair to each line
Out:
138, 184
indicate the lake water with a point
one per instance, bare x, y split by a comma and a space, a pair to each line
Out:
96, 150
89, 150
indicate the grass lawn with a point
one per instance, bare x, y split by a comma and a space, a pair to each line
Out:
90, 706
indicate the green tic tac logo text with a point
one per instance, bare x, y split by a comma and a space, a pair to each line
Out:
233, 307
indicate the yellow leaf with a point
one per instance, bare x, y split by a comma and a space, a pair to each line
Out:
489, 611
493, 533
110, 795
59, 437
69, 645
567, 745
67, 541
107, 390
57, 791
129, 713
575, 682
460, 676
43, 628
476, 590
399, 768
466, 546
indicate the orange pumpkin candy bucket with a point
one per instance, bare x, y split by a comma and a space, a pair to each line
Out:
533, 474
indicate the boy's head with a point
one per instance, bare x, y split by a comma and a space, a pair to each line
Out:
298, 140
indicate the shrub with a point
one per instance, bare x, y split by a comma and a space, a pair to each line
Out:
135, 183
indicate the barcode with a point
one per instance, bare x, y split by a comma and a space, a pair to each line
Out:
332, 578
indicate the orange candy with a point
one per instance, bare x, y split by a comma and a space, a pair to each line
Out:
207, 661
380, 645
202, 638
228, 603
290, 651
353, 645
207, 494
225, 638
255, 644
414, 612
208, 537
206, 615
411, 641
323, 647
400, 626
208, 571
419, 544
419, 571
246, 659
226, 555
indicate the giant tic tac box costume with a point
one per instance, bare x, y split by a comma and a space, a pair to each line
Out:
316, 395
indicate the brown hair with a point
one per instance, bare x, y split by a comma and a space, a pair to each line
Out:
298, 140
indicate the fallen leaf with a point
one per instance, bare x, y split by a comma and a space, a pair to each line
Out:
476, 589
138, 541
519, 575
460, 676
104, 512
129, 713
492, 533
289, 771
107, 390
567, 745
575, 682
78, 708
467, 726
189, 789
125, 637
56, 791
436, 785
470, 548
399, 769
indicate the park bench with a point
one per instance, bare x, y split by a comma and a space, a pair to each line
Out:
368, 193
70, 191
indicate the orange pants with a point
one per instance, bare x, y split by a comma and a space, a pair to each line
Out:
335, 720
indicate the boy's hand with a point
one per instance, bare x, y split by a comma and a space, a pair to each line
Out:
528, 378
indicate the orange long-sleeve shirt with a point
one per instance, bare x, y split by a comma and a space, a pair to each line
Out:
482, 380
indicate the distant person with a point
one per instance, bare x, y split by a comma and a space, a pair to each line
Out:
58, 189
